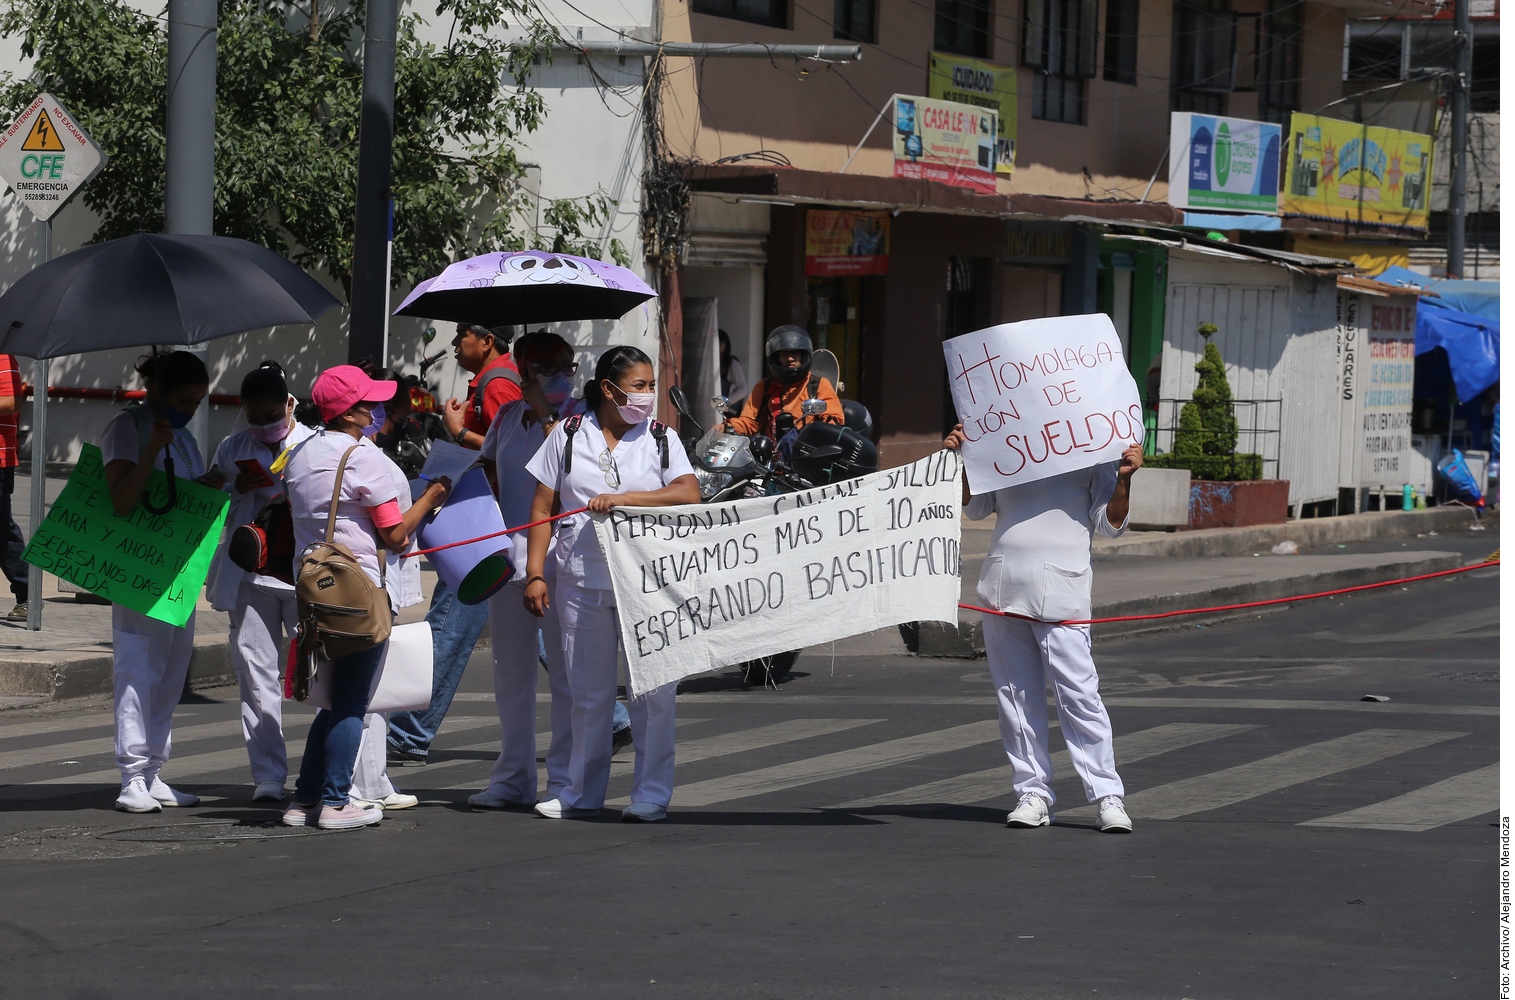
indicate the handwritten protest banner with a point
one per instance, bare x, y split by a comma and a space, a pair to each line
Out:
1040, 398
701, 587
151, 563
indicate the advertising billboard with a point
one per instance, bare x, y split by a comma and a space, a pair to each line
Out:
1224, 163
984, 85
946, 142
1345, 171
841, 242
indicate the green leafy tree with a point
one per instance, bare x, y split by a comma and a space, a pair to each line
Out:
288, 97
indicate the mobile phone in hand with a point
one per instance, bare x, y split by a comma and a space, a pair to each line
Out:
253, 467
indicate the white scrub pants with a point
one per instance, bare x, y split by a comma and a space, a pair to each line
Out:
1023, 656
262, 624
151, 661
513, 640
370, 772
590, 645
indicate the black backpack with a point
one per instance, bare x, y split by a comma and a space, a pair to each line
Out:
571, 427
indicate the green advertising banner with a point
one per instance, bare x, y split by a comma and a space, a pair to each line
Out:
972, 81
152, 563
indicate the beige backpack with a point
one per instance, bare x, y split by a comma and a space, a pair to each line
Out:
341, 610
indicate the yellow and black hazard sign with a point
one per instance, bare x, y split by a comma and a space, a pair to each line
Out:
42, 136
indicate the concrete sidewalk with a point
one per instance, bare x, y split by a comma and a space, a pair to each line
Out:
1141, 573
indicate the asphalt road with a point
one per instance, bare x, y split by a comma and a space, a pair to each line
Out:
840, 837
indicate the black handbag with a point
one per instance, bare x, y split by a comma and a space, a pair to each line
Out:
267, 545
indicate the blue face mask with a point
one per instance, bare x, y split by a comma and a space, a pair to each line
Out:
557, 388
176, 418
378, 421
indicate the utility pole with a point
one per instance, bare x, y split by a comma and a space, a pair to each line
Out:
370, 256
1457, 196
190, 137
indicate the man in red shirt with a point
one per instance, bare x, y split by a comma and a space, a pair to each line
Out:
495, 385
11, 542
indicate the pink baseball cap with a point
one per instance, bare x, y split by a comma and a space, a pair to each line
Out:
339, 389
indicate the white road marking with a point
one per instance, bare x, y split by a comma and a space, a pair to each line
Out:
1458, 798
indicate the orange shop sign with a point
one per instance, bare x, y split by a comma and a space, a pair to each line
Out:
839, 242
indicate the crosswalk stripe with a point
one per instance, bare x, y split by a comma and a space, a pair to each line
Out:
1294, 704
981, 786
1231, 785
61, 724
1457, 798
834, 765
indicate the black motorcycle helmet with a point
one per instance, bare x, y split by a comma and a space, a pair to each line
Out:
857, 417
788, 338
825, 453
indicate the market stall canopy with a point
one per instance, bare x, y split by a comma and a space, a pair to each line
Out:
151, 288
1471, 343
529, 286
1481, 298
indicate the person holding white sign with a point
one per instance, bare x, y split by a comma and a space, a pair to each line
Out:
1038, 574
615, 455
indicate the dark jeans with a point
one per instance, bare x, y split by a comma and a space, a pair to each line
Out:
455, 631
11, 542
331, 749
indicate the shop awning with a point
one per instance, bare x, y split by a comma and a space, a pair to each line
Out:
1481, 298
1471, 343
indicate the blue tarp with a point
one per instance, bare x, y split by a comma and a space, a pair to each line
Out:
1481, 298
1471, 343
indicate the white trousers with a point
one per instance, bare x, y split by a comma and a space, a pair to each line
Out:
151, 661
1023, 656
370, 772
591, 634
513, 641
262, 624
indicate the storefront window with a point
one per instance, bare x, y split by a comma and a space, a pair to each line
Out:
773, 13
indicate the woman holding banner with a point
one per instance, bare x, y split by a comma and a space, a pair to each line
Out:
614, 455
151, 657
367, 508
262, 609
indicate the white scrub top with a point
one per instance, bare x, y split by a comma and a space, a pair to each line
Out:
366, 482
402, 577
1038, 561
511, 444
119, 441
638, 459
225, 577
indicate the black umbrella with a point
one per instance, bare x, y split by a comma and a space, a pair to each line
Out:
154, 289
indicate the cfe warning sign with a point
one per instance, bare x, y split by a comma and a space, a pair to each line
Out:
45, 156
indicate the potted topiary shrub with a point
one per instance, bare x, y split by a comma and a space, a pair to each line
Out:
1227, 489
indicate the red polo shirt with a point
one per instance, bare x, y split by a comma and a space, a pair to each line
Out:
10, 385
498, 394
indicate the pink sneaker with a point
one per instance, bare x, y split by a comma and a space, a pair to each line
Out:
348, 817
301, 815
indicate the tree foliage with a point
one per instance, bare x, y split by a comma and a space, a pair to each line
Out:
1205, 441
288, 97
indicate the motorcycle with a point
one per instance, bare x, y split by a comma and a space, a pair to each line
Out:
422, 423
734, 467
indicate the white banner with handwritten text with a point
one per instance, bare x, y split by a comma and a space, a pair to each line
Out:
1040, 398
706, 586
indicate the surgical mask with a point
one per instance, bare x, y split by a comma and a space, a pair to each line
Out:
270, 433
638, 406
177, 418
376, 422
557, 388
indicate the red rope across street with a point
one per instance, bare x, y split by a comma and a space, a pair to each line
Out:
495, 534
1240, 607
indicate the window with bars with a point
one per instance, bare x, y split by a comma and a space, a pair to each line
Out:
1279, 51
1058, 41
1204, 57
774, 13
855, 20
1120, 40
962, 27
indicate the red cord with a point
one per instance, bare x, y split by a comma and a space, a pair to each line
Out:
1239, 607
495, 534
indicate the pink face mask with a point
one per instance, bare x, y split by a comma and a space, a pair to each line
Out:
638, 406
271, 433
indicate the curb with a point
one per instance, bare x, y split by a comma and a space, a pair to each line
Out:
55, 676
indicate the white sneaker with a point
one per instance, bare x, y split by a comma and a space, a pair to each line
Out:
300, 814
489, 800
135, 798
1112, 815
348, 817
555, 809
171, 797
394, 800
269, 791
1031, 811
644, 812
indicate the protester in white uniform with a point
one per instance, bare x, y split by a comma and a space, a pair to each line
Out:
151, 657
546, 363
1038, 568
367, 507
262, 608
614, 457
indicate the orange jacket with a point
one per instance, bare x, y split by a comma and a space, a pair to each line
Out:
757, 416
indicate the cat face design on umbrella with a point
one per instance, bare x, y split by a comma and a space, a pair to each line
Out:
538, 267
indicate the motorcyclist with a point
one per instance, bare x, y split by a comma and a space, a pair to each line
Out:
776, 406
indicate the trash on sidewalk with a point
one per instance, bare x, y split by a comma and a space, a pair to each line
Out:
1285, 548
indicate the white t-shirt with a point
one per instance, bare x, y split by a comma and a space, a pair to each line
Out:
310, 475
639, 462
401, 576
119, 442
510, 444
222, 582
1038, 562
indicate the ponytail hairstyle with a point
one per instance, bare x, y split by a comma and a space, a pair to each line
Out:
266, 382
165, 373
613, 364
308, 413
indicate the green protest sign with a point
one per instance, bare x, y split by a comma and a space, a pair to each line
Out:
151, 563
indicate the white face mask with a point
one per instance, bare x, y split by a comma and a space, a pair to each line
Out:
638, 406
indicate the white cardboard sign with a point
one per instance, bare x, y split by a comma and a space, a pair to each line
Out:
1040, 398
45, 156
705, 586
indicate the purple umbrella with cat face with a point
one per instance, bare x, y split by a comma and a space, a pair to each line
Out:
529, 286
